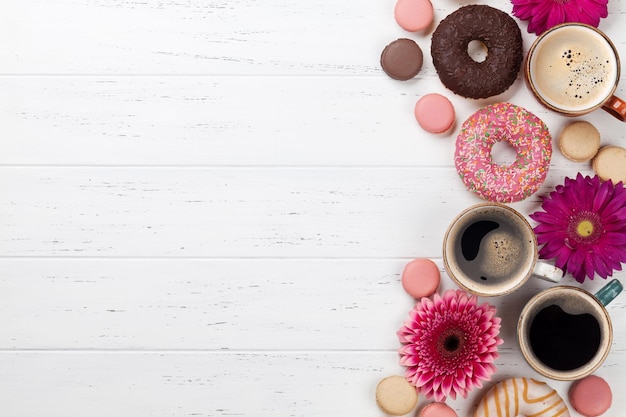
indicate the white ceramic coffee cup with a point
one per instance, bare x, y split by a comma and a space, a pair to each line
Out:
501, 259
574, 69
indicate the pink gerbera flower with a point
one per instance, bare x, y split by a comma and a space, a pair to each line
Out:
449, 344
583, 226
544, 14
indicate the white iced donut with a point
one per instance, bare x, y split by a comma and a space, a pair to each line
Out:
521, 397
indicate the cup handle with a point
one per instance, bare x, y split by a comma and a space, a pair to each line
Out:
548, 272
616, 107
608, 293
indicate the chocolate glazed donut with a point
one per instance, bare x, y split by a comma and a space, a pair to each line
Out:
458, 71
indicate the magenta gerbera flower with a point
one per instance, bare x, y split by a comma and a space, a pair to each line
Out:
449, 344
544, 14
583, 227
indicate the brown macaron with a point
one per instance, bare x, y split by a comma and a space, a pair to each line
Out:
402, 59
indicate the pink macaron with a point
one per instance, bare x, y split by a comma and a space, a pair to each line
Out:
591, 396
434, 113
438, 410
420, 278
414, 15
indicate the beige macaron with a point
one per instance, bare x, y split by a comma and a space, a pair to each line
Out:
579, 141
396, 396
610, 164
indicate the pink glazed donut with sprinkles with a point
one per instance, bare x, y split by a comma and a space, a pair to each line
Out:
524, 131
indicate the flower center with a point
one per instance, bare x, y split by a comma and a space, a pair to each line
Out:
584, 228
451, 342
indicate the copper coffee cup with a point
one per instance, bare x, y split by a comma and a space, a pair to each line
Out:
574, 69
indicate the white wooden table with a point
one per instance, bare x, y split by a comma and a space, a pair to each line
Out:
206, 206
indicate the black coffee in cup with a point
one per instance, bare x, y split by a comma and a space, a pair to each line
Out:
565, 332
564, 341
494, 249
490, 249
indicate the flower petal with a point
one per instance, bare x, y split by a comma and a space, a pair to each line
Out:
556, 15
441, 376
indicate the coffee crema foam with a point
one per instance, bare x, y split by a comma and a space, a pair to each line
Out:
574, 68
502, 254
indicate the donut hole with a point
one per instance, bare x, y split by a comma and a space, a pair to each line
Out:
477, 50
502, 153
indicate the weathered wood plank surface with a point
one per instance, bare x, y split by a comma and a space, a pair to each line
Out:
207, 205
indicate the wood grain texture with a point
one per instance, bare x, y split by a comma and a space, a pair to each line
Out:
225, 212
211, 37
304, 384
223, 121
227, 304
206, 207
